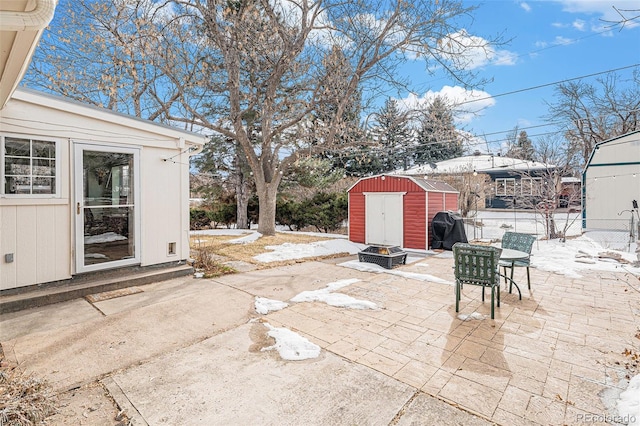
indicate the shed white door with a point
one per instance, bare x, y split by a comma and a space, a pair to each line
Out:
107, 210
383, 223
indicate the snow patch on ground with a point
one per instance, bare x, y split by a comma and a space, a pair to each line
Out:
264, 305
247, 238
629, 402
339, 300
377, 269
291, 346
573, 257
472, 316
290, 251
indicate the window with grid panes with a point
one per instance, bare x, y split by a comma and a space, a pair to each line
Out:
29, 166
505, 186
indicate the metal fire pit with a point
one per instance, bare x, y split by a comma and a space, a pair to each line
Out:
385, 256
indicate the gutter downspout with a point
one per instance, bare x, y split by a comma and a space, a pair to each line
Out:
194, 149
34, 20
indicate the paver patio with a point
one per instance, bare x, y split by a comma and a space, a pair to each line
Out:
555, 357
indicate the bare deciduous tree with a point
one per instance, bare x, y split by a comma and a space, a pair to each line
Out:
258, 67
545, 193
596, 112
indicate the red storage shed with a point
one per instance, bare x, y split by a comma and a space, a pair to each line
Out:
397, 210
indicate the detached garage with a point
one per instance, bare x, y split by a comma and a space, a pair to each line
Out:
397, 210
611, 183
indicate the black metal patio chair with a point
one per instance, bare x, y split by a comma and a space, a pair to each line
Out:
520, 242
477, 265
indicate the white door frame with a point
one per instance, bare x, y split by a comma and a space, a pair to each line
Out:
78, 207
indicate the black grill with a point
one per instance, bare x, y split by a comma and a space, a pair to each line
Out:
447, 228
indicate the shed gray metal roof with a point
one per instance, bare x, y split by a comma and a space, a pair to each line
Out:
433, 185
426, 184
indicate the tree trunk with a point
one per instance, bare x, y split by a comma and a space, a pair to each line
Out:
267, 201
243, 190
242, 204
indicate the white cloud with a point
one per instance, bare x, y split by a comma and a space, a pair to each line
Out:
603, 11
562, 40
523, 122
473, 52
598, 7
525, 6
467, 104
579, 24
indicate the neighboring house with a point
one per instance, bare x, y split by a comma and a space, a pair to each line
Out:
82, 188
571, 192
510, 177
611, 183
397, 210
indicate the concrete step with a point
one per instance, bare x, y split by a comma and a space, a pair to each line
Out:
83, 285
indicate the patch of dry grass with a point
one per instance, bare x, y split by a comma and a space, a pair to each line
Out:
220, 246
24, 400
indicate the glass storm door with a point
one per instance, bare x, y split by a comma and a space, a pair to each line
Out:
106, 209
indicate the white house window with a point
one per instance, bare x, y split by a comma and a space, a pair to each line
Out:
505, 186
531, 186
29, 166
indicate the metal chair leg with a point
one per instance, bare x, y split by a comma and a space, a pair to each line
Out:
511, 277
492, 300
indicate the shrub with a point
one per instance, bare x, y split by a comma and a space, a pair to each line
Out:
223, 213
290, 213
325, 211
199, 219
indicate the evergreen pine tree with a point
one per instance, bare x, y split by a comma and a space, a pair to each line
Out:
392, 135
438, 138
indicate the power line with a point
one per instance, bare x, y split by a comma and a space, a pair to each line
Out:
548, 84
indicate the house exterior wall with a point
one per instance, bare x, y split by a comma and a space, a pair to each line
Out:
39, 231
605, 196
419, 208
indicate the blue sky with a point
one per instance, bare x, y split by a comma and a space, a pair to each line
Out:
550, 41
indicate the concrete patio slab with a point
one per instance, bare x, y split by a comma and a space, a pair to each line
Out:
227, 380
73, 355
46, 318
